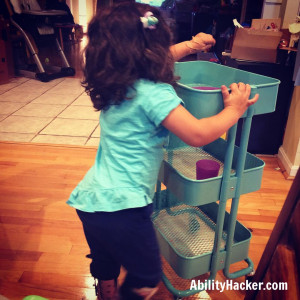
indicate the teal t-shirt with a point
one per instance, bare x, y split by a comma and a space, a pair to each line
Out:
130, 151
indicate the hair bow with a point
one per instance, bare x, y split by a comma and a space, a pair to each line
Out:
149, 21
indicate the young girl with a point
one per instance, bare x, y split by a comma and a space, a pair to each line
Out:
129, 76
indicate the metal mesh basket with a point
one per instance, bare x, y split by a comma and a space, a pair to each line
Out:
186, 235
178, 172
182, 284
184, 160
188, 230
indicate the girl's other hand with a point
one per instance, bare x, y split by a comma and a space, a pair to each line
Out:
202, 42
238, 100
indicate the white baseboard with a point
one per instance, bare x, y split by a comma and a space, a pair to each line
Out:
289, 167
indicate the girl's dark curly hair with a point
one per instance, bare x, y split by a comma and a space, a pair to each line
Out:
120, 51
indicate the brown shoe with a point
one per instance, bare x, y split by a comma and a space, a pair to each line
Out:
106, 289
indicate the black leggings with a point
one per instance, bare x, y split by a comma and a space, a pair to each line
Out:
126, 238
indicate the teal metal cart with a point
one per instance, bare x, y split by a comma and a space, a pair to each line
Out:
195, 233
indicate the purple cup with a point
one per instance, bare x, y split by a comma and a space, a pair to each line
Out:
206, 168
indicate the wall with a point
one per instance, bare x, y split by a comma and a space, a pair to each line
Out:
90, 9
271, 9
290, 13
289, 152
284, 9
74, 7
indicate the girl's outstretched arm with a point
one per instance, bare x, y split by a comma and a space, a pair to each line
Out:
200, 42
198, 132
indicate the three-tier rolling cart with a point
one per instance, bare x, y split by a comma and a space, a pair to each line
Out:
195, 232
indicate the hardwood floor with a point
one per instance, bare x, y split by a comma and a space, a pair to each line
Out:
42, 246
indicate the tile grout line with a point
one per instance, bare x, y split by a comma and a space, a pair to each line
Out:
90, 136
30, 102
55, 117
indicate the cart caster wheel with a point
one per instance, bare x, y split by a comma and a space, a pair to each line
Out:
249, 277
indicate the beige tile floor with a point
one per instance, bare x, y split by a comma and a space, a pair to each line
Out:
56, 112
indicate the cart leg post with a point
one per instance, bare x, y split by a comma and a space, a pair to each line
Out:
235, 201
223, 199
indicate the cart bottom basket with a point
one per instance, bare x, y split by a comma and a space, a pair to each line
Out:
186, 236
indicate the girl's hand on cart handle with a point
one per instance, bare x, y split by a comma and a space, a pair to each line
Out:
238, 100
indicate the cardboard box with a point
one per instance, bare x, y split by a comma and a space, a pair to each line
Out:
258, 43
266, 24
